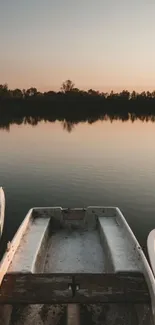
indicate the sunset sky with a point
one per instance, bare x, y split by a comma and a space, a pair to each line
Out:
100, 44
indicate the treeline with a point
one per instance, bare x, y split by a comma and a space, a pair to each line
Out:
68, 90
71, 106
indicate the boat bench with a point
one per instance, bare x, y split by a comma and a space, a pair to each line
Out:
120, 251
49, 288
26, 259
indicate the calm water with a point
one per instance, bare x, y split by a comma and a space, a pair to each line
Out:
100, 164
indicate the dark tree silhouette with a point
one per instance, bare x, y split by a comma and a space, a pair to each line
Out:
31, 92
72, 105
17, 93
4, 92
67, 86
69, 89
125, 95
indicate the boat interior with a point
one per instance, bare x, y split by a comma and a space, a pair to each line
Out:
74, 266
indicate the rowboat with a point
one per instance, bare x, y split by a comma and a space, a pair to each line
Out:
2, 210
76, 266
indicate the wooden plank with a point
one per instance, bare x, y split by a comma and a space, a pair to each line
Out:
35, 289
5, 314
73, 314
73, 288
112, 288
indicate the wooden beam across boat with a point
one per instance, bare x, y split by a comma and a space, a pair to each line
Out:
73, 288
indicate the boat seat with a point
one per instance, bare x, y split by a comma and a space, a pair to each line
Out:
26, 255
119, 247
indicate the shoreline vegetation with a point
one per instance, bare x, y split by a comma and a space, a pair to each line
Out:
71, 105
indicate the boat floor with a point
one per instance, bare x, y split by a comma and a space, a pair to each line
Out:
99, 314
75, 252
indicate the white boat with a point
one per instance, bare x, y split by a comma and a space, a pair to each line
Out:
151, 249
2, 210
76, 266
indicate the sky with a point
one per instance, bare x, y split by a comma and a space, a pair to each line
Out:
99, 44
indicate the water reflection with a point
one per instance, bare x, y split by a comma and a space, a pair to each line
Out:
68, 126
69, 122
106, 160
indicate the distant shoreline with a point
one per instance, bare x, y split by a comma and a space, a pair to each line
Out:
71, 106
69, 93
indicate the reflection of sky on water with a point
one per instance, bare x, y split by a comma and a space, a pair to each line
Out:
100, 164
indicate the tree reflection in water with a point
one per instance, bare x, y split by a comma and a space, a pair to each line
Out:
69, 124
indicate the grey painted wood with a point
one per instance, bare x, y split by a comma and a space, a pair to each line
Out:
75, 251
121, 248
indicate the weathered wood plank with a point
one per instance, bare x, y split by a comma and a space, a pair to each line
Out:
35, 289
73, 314
73, 288
112, 288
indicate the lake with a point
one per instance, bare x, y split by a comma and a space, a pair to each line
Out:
58, 164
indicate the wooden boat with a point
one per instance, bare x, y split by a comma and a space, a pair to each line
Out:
2, 210
78, 266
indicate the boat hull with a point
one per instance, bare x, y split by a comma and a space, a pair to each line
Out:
2, 210
82, 264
